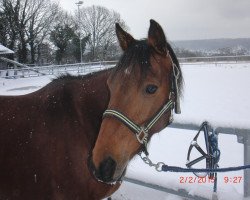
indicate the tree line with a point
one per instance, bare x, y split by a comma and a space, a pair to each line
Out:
40, 31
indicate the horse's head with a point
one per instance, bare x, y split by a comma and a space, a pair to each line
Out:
143, 89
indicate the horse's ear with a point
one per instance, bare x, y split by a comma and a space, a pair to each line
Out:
124, 38
156, 38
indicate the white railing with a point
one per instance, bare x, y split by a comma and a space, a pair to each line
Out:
78, 68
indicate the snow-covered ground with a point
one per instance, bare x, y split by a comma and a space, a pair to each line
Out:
216, 93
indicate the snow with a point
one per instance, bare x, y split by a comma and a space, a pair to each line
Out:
217, 93
139, 193
4, 50
22, 86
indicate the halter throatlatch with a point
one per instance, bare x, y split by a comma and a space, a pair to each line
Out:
141, 132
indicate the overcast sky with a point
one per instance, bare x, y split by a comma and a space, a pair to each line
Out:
181, 19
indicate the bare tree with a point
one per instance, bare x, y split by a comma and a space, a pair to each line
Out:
8, 17
99, 23
28, 22
40, 24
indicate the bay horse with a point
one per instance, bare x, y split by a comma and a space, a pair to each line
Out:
64, 142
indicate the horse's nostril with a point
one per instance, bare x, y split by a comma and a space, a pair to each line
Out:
107, 169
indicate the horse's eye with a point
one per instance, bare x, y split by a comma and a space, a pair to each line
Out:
151, 89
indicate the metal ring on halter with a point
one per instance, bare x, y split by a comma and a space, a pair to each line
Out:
142, 139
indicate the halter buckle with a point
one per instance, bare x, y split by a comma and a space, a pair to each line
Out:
142, 135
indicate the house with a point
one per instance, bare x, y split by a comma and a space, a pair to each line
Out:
4, 51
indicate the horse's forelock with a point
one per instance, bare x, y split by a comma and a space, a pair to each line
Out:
137, 54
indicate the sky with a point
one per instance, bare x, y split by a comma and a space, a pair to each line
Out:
180, 19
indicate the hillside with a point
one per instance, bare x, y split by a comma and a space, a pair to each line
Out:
212, 44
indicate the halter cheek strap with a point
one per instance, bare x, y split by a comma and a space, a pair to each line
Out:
141, 132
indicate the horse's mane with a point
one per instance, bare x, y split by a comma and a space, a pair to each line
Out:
69, 77
139, 54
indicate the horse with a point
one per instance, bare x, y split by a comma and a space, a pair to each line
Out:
64, 141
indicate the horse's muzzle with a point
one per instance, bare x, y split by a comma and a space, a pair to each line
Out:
106, 170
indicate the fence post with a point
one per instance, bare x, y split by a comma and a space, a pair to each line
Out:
247, 162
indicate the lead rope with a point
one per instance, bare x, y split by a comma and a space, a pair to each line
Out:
213, 156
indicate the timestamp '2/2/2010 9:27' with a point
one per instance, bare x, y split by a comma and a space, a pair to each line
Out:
203, 180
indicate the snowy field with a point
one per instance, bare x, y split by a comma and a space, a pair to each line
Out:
218, 93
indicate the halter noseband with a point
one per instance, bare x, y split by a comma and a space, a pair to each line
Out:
141, 132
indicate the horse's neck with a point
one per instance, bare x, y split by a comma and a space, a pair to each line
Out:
94, 98
78, 101
95, 94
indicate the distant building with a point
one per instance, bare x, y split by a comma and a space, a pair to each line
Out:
3, 52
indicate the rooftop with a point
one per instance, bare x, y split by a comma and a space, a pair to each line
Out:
5, 50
